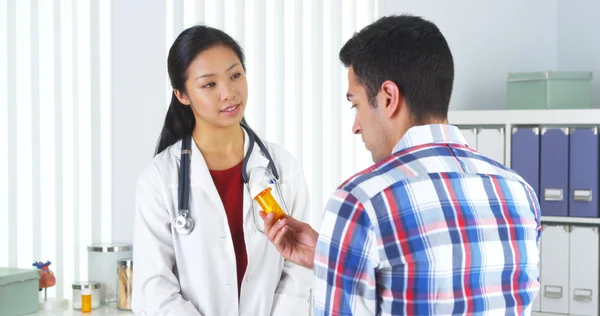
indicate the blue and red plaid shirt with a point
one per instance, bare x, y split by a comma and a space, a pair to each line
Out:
435, 228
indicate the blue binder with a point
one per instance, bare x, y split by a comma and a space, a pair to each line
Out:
525, 155
554, 172
583, 172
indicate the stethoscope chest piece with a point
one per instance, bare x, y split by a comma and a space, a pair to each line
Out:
183, 224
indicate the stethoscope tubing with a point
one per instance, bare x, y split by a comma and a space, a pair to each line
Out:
183, 223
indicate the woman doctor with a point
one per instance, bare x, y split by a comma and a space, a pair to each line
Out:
225, 265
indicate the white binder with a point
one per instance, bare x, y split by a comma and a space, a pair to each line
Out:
554, 292
583, 266
490, 142
470, 135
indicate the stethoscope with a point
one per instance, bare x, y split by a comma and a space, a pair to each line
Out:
183, 222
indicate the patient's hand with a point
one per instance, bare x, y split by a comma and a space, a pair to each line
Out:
295, 240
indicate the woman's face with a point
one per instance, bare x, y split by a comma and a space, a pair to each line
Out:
216, 87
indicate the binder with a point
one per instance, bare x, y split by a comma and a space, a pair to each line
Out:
583, 271
470, 135
554, 292
554, 172
583, 172
525, 155
490, 142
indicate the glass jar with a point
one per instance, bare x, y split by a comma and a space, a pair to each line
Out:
125, 277
102, 259
78, 287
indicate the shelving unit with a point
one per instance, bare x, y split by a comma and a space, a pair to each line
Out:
580, 221
507, 119
545, 314
525, 117
513, 118
543, 118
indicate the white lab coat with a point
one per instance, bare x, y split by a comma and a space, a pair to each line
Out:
196, 274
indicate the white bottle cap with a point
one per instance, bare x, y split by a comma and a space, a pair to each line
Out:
259, 181
255, 191
86, 291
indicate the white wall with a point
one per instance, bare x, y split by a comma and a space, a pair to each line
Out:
489, 39
578, 45
139, 82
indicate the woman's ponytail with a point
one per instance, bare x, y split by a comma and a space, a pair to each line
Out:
179, 122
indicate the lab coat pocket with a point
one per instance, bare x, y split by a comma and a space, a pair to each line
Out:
286, 305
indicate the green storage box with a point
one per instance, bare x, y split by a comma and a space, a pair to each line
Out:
549, 90
19, 292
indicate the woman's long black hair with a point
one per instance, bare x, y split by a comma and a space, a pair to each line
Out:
180, 120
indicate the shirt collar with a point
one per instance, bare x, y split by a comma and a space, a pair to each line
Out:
427, 134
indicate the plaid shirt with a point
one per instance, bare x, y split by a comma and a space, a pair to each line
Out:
435, 228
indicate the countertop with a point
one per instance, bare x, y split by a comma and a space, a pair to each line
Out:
66, 309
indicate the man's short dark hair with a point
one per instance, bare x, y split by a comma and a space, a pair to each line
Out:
411, 52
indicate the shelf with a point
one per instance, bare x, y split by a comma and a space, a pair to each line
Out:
507, 119
525, 117
571, 220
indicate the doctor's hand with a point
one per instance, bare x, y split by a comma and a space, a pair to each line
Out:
295, 240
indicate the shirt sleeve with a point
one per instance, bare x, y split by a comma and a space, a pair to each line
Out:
345, 260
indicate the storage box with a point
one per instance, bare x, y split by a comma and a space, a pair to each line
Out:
19, 292
549, 90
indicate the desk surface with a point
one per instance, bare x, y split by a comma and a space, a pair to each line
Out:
67, 310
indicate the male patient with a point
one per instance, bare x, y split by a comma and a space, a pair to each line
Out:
433, 227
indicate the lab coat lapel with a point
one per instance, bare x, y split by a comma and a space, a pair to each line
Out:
201, 178
255, 160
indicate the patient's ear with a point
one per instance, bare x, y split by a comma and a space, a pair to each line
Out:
391, 99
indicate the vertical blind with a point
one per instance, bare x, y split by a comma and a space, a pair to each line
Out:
55, 110
297, 85
55, 124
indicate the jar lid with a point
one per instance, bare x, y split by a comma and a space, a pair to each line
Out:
126, 262
110, 247
85, 285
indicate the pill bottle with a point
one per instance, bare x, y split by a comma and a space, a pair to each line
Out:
267, 202
86, 300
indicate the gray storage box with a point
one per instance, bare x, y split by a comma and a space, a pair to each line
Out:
549, 90
19, 292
